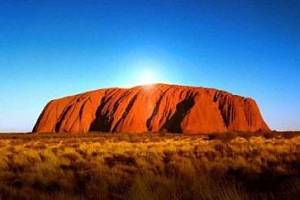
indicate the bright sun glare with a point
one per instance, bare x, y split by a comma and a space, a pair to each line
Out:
147, 77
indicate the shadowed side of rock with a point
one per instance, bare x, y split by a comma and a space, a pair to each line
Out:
156, 108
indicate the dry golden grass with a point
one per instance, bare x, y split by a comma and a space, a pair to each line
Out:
105, 166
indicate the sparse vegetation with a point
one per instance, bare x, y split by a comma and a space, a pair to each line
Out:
106, 166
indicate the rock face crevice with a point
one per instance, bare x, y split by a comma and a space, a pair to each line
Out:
173, 125
155, 108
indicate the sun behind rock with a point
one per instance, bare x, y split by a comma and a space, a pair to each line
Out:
147, 77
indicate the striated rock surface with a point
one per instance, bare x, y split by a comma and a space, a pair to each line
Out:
152, 108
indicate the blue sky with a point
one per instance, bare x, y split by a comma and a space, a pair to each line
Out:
49, 49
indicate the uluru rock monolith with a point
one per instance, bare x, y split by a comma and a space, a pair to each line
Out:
152, 108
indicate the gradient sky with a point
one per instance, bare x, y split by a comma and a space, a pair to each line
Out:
49, 49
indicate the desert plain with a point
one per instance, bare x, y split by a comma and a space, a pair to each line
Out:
101, 165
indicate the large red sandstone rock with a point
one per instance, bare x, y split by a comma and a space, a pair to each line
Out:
155, 108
